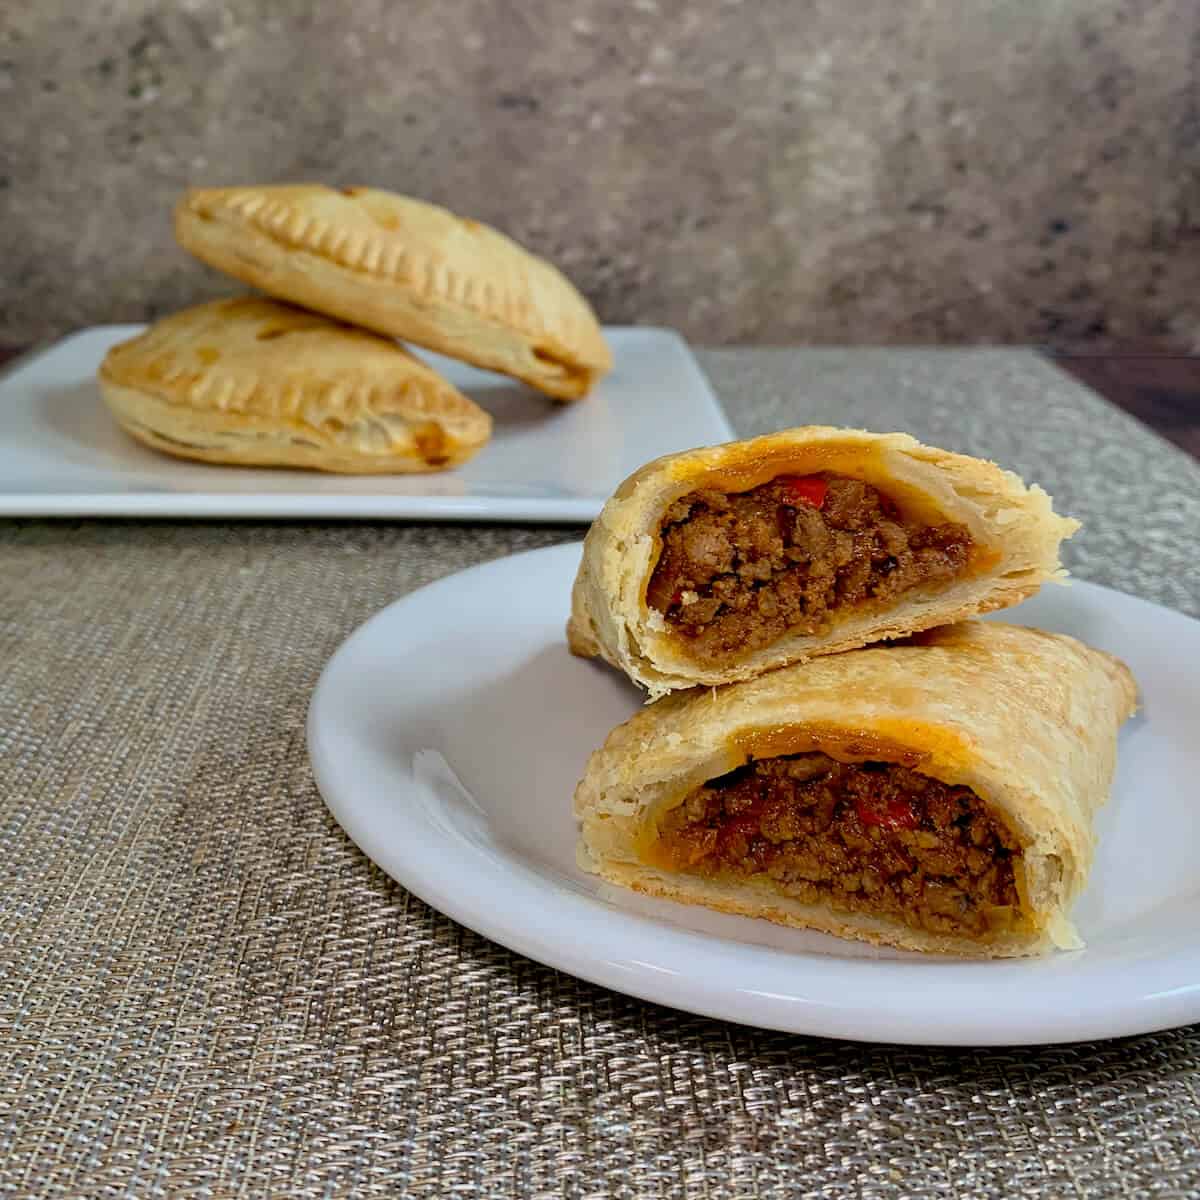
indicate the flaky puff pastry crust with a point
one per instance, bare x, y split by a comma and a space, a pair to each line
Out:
405, 268
1026, 719
1015, 531
252, 382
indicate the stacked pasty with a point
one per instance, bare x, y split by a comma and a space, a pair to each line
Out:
935, 791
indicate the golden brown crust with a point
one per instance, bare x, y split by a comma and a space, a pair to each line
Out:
404, 268
1025, 718
250, 381
1014, 528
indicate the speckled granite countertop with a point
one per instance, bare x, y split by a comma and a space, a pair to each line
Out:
205, 989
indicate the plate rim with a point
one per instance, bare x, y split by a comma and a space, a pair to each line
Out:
1151, 1012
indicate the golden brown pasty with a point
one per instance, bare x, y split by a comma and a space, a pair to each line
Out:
403, 268
253, 382
718, 564
933, 795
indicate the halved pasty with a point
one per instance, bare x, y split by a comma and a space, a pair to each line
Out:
718, 564
404, 268
934, 795
253, 382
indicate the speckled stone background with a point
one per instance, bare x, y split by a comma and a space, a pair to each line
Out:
767, 171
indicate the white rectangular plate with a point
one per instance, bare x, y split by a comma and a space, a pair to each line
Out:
448, 733
61, 454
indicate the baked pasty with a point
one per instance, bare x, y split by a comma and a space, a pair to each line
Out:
717, 564
403, 268
254, 382
934, 795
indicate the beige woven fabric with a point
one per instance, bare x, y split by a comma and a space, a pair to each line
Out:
205, 990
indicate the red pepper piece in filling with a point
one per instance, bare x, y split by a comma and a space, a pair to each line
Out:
805, 489
892, 813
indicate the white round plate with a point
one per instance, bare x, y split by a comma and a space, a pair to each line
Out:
447, 735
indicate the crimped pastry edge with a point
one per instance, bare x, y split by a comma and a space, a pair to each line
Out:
211, 382
355, 372
274, 246
239, 439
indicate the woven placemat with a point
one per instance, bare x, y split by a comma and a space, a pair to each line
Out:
205, 990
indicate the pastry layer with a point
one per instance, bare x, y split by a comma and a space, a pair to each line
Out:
404, 268
1004, 734
251, 381
969, 537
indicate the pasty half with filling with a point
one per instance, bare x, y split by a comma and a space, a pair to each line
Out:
718, 564
934, 795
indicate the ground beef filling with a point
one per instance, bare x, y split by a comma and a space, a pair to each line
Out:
739, 570
868, 837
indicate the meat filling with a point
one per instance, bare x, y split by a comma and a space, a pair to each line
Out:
866, 837
738, 570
